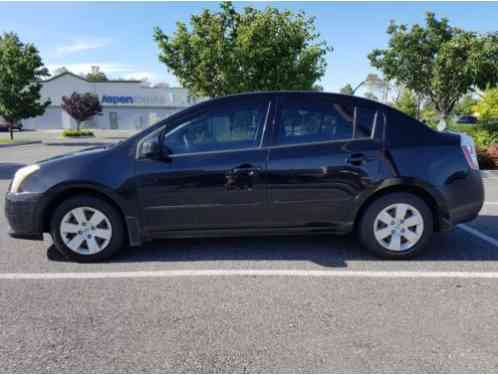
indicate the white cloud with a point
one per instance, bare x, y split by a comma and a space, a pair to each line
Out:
81, 45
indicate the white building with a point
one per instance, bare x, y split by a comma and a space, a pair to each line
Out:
125, 104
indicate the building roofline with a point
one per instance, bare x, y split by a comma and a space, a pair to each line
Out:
86, 80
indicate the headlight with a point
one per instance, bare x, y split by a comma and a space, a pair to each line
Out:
20, 175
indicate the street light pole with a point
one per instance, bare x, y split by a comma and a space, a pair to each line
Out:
358, 86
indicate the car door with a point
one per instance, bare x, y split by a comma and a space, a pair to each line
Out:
325, 152
213, 177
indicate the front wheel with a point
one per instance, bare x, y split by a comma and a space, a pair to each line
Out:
86, 229
396, 226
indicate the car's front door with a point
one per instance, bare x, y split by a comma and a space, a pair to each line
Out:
214, 177
324, 154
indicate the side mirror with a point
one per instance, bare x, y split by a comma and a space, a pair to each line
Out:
150, 149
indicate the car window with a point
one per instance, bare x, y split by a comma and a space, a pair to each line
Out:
301, 122
312, 123
236, 127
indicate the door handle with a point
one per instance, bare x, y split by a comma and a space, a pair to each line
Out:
241, 177
248, 170
357, 159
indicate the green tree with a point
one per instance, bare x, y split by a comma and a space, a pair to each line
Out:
438, 61
96, 75
228, 52
81, 107
408, 103
347, 89
466, 105
21, 73
429, 115
487, 107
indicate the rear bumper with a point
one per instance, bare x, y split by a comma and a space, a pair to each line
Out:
465, 197
21, 213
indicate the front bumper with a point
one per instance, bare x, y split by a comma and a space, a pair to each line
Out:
21, 213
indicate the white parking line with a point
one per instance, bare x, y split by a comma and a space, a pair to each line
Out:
250, 273
266, 273
491, 203
479, 234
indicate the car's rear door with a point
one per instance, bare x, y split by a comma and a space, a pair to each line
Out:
214, 178
326, 150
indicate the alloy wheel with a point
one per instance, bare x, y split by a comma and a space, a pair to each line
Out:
398, 227
85, 230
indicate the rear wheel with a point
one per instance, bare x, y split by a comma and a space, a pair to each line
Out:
86, 229
396, 226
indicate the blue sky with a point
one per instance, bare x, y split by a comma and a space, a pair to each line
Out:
118, 36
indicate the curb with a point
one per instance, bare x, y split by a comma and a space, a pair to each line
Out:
20, 144
62, 143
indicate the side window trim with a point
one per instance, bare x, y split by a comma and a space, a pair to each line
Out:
355, 121
323, 142
266, 124
374, 126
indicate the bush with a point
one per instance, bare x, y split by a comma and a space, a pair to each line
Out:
77, 133
485, 160
492, 152
487, 107
484, 135
430, 117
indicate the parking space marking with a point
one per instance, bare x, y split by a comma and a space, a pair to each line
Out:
491, 203
250, 273
479, 234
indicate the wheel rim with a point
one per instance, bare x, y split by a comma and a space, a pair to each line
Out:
398, 227
86, 230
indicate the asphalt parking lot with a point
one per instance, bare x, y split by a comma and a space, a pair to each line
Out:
260, 304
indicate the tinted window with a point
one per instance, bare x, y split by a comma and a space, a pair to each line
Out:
239, 126
303, 123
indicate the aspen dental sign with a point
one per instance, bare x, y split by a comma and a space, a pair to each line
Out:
135, 100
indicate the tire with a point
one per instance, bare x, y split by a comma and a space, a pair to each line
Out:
87, 229
414, 229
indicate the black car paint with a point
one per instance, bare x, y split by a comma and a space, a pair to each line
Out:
311, 187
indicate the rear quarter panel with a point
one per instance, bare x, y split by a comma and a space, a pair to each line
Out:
433, 161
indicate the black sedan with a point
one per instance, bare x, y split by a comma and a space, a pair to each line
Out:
471, 120
263, 163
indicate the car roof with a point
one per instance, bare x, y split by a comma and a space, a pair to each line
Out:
313, 94
308, 93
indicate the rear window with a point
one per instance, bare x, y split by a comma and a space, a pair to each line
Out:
311, 124
309, 121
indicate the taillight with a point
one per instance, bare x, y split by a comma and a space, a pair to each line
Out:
469, 150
